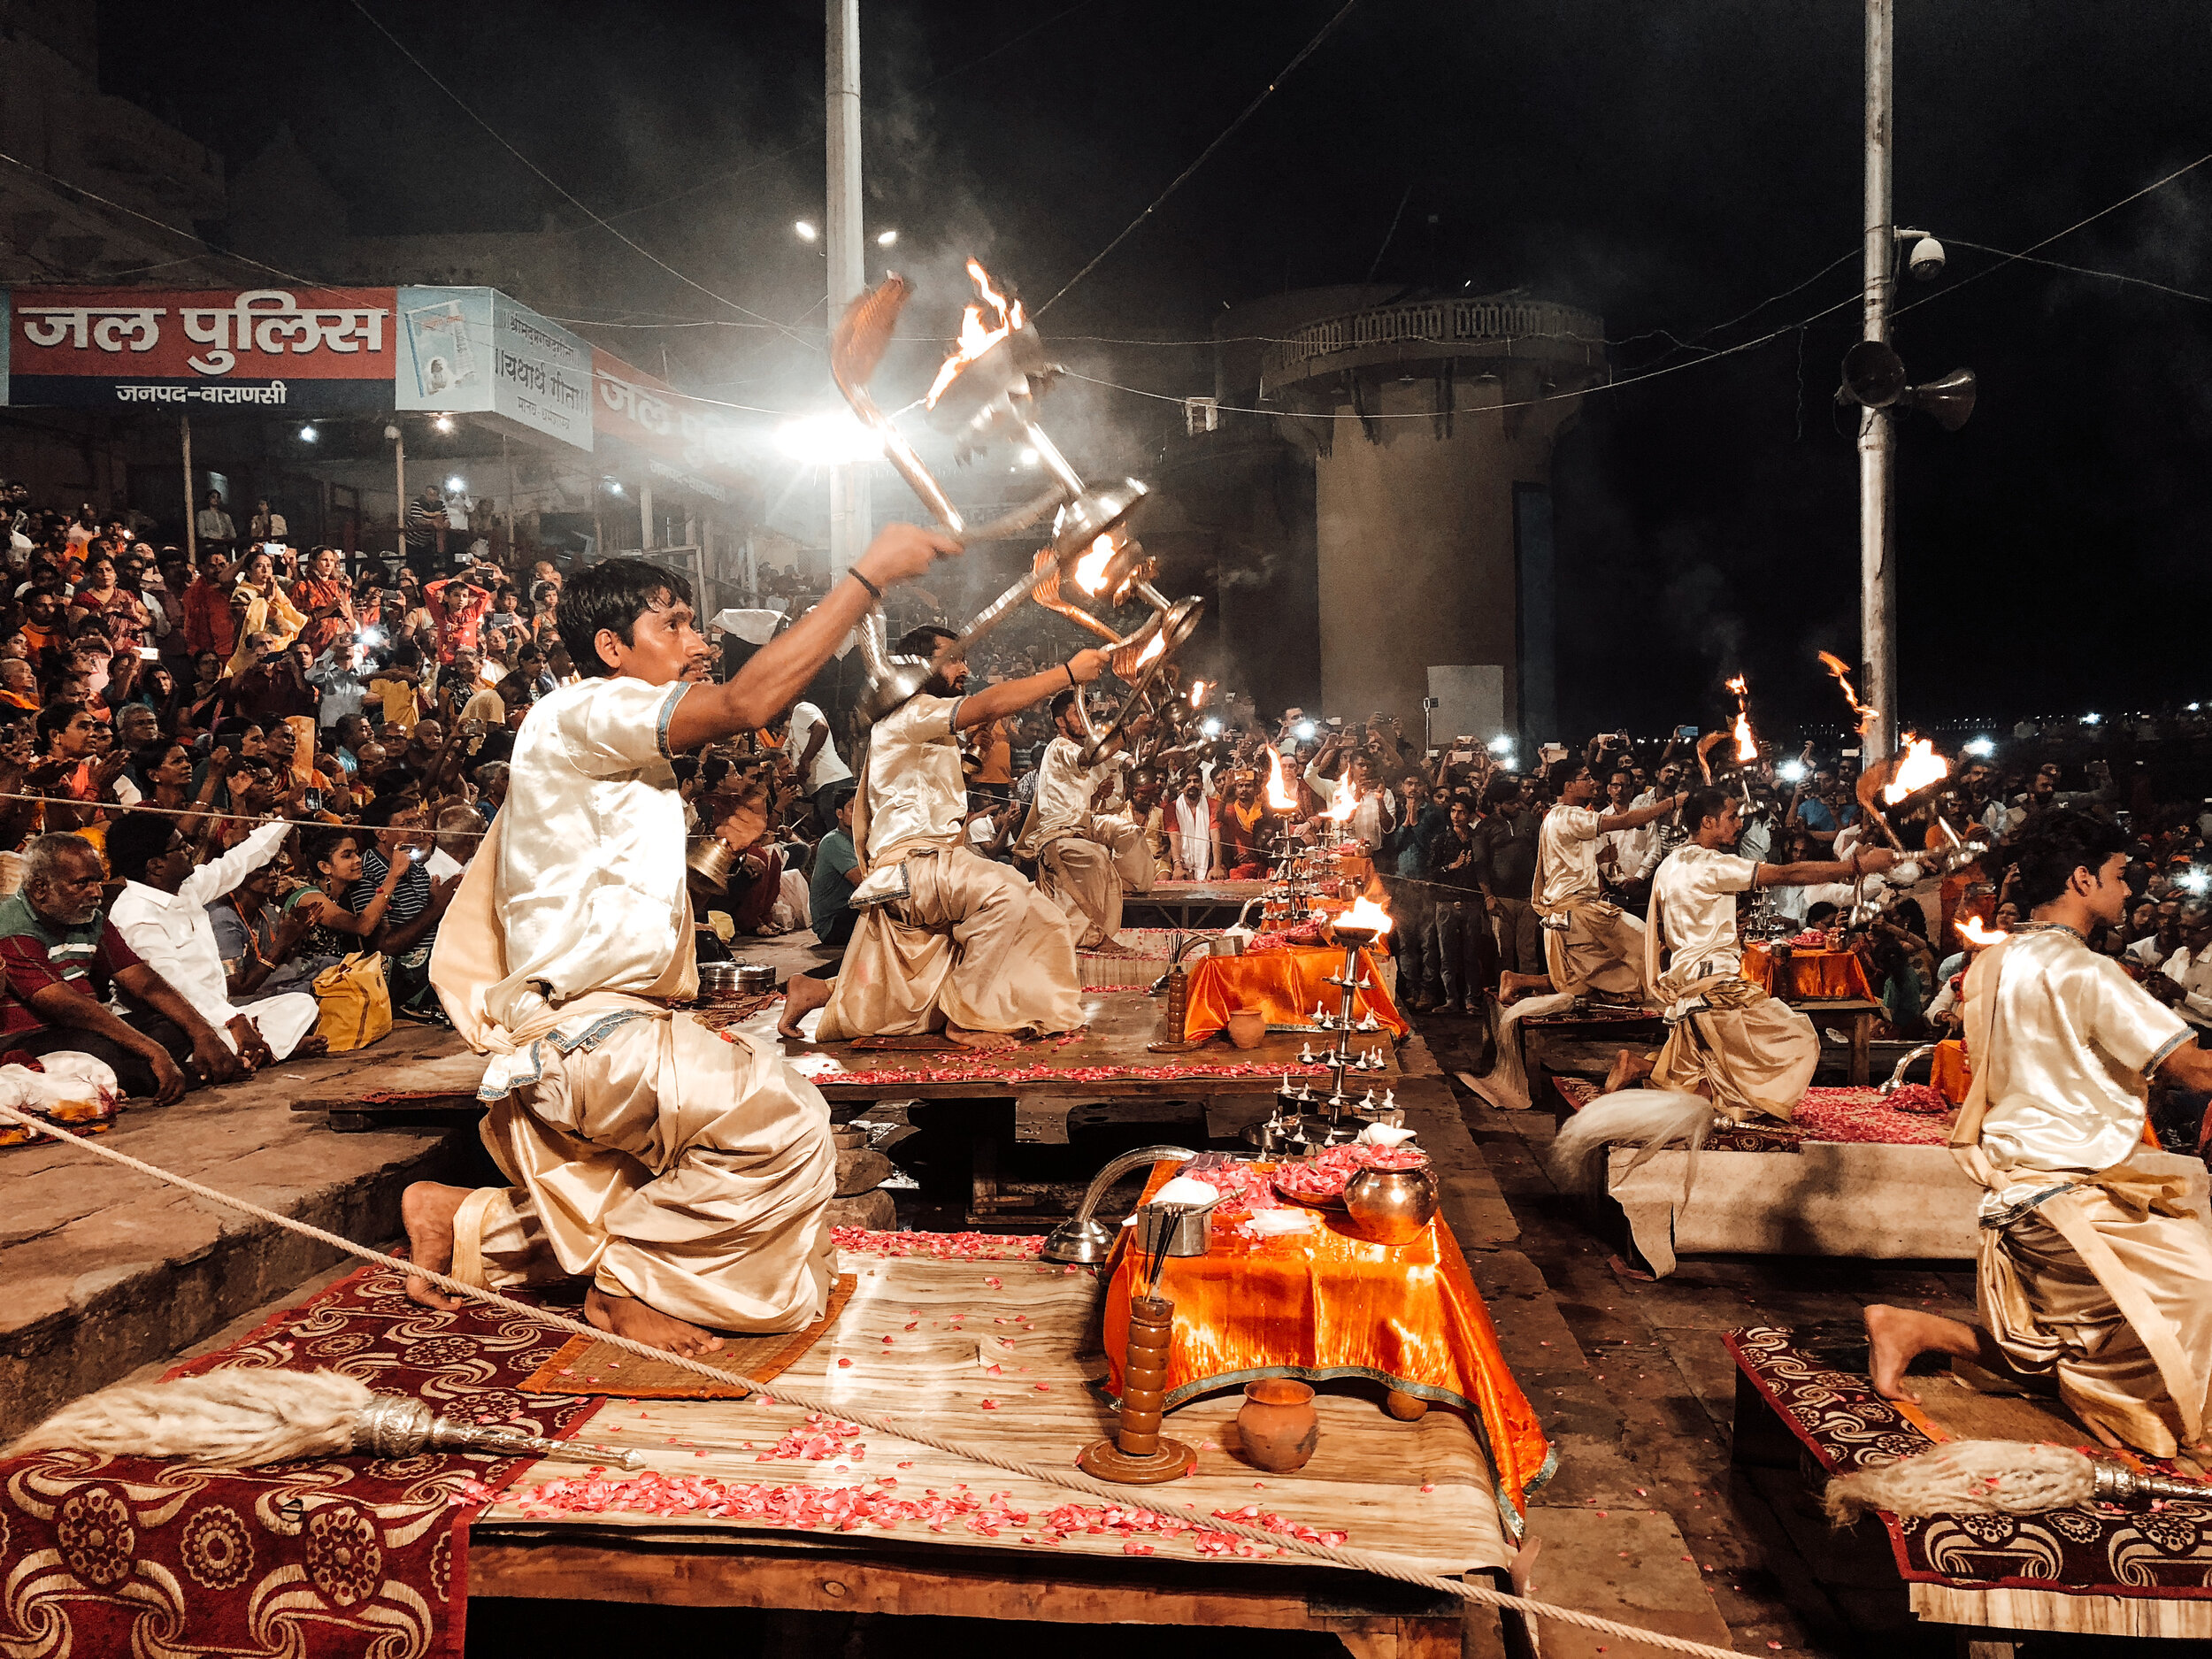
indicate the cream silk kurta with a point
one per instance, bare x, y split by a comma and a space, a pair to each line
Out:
1731, 1042
970, 943
2093, 1269
675, 1165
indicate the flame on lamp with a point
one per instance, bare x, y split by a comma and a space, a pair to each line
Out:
1197, 694
1920, 766
1365, 913
1841, 670
975, 339
1343, 806
1278, 794
1976, 935
1090, 570
1159, 644
1746, 746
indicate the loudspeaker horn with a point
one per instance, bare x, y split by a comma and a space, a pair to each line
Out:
1949, 400
1873, 374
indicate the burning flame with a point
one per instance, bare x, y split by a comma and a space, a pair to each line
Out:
1841, 670
1746, 746
1159, 644
1278, 794
1365, 913
975, 339
1920, 766
1970, 929
1345, 803
1197, 694
1090, 570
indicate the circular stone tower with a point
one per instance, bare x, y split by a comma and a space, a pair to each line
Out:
1430, 423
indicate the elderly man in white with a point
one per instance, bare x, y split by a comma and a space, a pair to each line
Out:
162, 915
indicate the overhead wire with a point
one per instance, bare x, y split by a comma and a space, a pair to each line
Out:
1177, 183
2109, 276
563, 191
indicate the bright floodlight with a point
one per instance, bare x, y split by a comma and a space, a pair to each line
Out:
1791, 772
1029, 455
832, 439
1212, 728
614, 486
1501, 744
887, 238
308, 435
454, 484
1983, 746
2091, 719
1303, 731
807, 233
2196, 878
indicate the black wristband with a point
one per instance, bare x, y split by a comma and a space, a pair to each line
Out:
1069, 668
854, 573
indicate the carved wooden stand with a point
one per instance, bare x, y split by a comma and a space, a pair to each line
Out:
1137, 1455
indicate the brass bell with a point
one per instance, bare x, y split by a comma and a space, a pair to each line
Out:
710, 862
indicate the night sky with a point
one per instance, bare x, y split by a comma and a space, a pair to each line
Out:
1667, 167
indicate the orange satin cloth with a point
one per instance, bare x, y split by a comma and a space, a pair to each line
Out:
1322, 1305
1813, 973
1949, 1072
1285, 983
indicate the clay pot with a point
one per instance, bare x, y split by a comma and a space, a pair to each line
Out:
1405, 1406
1247, 1027
1278, 1425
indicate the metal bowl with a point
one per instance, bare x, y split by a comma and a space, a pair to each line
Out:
1391, 1206
754, 978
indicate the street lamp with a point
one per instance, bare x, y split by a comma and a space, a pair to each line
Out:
443, 423
887, 238
308, 435
807, 233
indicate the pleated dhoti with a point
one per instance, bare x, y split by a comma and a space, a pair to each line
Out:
1601, 949
666, 1163
1743, 1051
1085, 869
2130, 1356
973, 944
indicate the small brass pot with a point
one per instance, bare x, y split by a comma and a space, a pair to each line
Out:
1391, 1206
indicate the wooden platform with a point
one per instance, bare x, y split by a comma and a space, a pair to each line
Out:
1421, 1491
1181, 903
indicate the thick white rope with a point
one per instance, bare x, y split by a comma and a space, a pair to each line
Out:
1119, 1497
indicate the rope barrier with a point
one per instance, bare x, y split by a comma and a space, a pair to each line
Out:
1121, 1497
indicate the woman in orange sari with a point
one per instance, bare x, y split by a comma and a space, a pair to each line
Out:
324, 597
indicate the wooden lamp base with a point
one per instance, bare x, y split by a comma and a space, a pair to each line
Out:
1104, 1460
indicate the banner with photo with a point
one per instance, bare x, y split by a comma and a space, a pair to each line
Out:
475, 350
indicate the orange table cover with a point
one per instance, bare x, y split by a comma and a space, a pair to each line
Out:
1322, 1305
1822, 974
1285, 983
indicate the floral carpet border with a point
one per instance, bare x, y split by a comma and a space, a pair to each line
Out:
2164, 1553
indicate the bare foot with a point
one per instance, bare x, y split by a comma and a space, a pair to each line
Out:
311, 1047
1108, 948
1628, 1067
1513, 987
624, 1316
968, 1039
426, 1209
1898, 1336
801, 995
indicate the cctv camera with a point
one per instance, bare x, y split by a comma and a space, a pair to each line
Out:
1926, 262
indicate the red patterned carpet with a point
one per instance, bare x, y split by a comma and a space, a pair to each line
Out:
338, 1558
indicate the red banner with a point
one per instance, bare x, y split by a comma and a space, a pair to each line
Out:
310, 350
695, 445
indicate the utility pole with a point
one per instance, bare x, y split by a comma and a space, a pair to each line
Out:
1877, 569
851, 520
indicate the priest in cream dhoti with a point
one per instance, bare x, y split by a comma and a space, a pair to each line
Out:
2095, 1271
684, 1173
948, 942
1088, 856
1592, 947
1745, 1052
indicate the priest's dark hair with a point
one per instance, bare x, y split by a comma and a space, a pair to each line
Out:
1062, 702
2053, 844
612, 594
923, 641
1702, 804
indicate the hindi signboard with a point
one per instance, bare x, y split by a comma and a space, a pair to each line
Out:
302, 350
683, 439
472, 349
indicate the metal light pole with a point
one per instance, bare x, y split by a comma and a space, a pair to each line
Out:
851, 520
1878, 570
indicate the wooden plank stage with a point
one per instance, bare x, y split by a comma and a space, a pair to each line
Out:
1178, 903
1419, 1490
